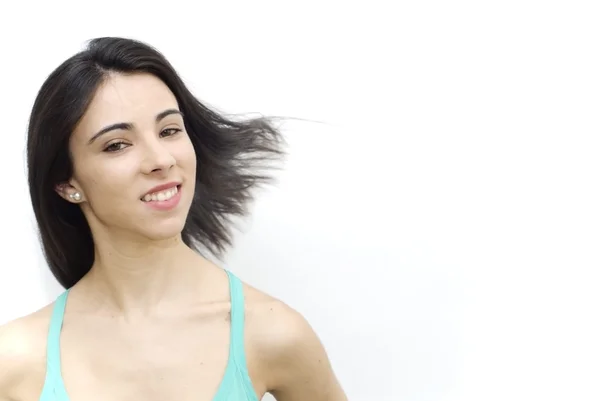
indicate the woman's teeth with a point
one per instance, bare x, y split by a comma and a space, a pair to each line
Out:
160, 196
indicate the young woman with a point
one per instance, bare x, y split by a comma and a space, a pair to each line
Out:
130, 178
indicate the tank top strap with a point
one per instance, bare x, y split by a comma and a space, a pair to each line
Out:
237, 349
53, 344
53, 388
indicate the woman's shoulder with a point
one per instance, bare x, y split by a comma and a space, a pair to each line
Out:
22, 352
271, 319
284, 350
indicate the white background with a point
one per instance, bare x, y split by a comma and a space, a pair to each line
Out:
439, 227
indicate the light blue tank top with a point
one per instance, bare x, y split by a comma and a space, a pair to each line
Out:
235, 385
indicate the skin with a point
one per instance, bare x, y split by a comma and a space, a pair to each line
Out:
151, 319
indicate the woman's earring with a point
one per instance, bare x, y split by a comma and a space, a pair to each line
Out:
75, 196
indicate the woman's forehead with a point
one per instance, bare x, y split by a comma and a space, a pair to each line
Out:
126, 98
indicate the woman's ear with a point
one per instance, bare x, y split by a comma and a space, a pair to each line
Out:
69, 192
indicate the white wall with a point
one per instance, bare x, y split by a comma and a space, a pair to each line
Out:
439, 230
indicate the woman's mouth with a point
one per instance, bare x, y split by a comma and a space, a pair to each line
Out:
161, 196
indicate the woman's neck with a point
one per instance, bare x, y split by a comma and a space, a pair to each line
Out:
134, 278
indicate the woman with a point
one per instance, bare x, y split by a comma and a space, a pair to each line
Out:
130, 176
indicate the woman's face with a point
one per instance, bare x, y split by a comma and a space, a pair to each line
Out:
134, 164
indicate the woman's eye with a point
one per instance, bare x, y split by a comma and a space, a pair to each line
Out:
169, 132
115, 147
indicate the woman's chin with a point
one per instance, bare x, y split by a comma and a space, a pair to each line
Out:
161, 231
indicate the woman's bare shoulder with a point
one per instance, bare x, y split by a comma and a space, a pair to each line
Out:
285, 352
22, 351
263, 308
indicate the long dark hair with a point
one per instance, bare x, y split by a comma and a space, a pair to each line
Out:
231, 153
